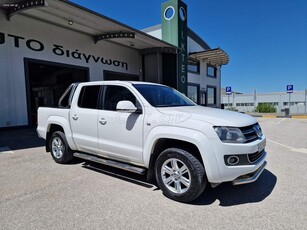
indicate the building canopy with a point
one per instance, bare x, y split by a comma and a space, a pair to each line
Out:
213, 56
77, 18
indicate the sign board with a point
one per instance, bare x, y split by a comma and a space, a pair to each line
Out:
289, 88
174, 31
228, 90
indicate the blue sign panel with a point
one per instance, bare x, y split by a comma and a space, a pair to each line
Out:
228, 90
289, 88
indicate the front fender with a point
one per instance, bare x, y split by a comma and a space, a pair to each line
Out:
188, 135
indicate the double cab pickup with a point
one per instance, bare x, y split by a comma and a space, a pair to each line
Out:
153, 129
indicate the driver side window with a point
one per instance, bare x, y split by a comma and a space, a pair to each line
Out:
114, 94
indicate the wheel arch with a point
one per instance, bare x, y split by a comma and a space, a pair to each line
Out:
171, 137
59, 124
165, 143
51, 129
188, 139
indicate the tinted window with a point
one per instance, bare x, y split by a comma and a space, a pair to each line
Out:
193, 92
115, 94
162, 96
211, 95
89, 97
211, 71
193, 66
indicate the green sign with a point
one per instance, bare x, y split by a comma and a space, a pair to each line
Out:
174, 31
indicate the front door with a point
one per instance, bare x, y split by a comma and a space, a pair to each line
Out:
120, 133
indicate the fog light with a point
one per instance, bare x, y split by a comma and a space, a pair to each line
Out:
233, 160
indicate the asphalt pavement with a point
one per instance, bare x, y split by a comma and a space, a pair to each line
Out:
37, 193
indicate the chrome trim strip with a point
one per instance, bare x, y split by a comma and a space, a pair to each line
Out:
263, 155
250, 179
254, 137
248, 131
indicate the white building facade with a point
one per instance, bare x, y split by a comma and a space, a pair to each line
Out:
45, 45
249, 102
48, 46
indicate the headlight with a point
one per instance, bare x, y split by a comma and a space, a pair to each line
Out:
230, 134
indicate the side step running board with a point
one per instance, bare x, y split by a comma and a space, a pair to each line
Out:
112, 163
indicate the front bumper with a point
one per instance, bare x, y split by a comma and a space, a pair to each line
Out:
215, 151
251, 177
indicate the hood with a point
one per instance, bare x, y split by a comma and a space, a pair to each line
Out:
216, 117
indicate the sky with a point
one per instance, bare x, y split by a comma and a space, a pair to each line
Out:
266, 40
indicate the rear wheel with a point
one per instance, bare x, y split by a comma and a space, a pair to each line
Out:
60, 151
180, 175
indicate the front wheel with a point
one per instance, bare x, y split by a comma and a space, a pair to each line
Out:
60, 151
180, 175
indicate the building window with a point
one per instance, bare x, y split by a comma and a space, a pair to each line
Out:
245, 104
211, 95
211, 71
268, 103
297, 103
193, 93
193, 66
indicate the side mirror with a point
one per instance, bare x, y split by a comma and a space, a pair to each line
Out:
126, 107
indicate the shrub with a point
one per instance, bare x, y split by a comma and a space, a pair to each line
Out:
232, 109
265, 108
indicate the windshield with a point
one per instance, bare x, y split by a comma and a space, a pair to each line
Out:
163, 96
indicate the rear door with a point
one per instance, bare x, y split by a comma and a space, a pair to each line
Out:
83, 119
120, 133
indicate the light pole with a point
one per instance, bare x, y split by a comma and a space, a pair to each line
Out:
305, 99
289, 91
289, 102
228, 102
255, 97
228, 92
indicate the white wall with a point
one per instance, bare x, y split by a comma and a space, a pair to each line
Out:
156, 33
12, 74
202, 79
298, 98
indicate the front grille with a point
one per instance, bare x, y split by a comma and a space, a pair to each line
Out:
249, 133
253, 157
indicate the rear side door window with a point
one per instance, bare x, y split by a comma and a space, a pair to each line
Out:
89, 97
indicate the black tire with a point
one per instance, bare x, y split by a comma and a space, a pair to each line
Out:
59, 148
184, 182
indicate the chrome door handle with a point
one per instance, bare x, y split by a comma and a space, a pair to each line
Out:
75, 117
103, 121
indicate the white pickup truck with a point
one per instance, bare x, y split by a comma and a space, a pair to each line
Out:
151, 128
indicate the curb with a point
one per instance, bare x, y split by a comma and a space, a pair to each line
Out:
274, 116
299, 117
269, 116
